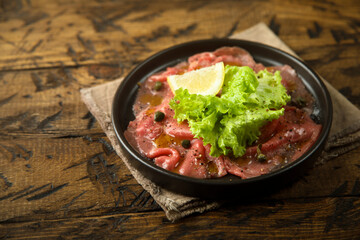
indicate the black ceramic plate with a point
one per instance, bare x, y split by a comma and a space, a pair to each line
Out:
229, 185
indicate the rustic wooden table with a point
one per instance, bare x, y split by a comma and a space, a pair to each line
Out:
60, 178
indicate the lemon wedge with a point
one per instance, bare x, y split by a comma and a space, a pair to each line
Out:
204, 81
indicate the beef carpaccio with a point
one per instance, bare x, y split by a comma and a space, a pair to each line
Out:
281, 141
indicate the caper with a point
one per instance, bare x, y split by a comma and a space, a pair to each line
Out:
159, 116
261, 158
158, 86
185, 143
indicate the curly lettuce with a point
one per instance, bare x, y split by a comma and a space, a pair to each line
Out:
232, 121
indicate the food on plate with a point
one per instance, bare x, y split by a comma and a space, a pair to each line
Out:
222, 113
232, 121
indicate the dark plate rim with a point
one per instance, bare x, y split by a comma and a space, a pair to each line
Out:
237, 181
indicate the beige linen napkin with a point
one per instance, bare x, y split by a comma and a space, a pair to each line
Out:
344, 134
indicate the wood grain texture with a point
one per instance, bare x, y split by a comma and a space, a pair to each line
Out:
59, 176
277, 219
79, 172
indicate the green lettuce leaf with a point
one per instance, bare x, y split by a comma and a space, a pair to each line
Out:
232, 121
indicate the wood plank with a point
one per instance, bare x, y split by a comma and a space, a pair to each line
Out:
48, 100
125, 32
60, 177
323, 218
91, 37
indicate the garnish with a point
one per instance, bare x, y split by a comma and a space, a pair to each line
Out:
232, 121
